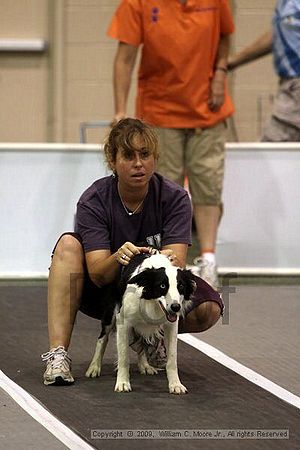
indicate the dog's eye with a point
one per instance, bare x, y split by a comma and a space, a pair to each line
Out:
163, 286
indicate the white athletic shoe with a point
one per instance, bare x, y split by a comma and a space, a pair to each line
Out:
58, 369
156, 353
208, 271
155, 350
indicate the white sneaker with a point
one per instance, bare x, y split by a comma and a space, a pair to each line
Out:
156, 353
155, 350
208, 271
58, 370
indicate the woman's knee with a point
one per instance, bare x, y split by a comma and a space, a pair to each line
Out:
68, 247
212, 313
201, 318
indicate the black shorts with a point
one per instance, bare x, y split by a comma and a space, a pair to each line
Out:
94, 299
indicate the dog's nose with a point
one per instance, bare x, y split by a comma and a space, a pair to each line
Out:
175, 307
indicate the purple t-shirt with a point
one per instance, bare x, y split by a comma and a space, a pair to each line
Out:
103, 223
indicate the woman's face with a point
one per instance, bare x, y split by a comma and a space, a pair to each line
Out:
134, 167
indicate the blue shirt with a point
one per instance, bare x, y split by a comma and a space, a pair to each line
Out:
286, 38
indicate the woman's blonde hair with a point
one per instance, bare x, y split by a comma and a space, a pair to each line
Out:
122, 135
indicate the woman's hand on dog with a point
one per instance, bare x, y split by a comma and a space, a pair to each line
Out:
127, 251
169, 253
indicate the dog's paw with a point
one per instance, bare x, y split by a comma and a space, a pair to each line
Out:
177, 388
93, 371
146, 369
122, 386
144, 366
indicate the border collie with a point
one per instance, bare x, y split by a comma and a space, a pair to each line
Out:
152, 295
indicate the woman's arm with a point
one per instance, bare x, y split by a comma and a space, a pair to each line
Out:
103, 267
177, 253
123, 67
217, 87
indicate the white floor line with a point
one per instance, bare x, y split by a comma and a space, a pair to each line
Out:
240, 369
41, 415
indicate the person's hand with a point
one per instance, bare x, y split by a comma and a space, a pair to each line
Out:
169, 253
217, 91
127, 251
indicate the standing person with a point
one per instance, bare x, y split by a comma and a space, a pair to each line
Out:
118, 217
284, 41
182, 93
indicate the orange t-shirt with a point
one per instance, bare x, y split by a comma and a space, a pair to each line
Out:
179, 47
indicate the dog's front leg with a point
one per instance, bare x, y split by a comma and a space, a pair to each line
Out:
94, 369
144, 366
175, 386
123, 380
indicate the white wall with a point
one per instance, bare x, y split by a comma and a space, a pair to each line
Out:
39, 190
261, 223
41, 183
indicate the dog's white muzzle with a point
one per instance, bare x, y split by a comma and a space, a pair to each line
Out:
171, 316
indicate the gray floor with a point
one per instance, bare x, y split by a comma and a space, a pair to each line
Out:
18, 430
262, 332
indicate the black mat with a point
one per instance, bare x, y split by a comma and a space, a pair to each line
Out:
218, 399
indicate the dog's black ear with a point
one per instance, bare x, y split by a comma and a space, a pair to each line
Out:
185, 283
154, 282
140, 279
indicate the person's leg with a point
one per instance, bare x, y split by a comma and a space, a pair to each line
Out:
200, 318
207, 218
205, 169
64, 289
171, 154
204, 311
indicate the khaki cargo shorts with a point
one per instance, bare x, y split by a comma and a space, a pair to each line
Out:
284, 124
198, 154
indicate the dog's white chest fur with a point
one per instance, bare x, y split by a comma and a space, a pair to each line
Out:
146, 317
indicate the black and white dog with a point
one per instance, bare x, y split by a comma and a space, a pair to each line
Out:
152, 295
